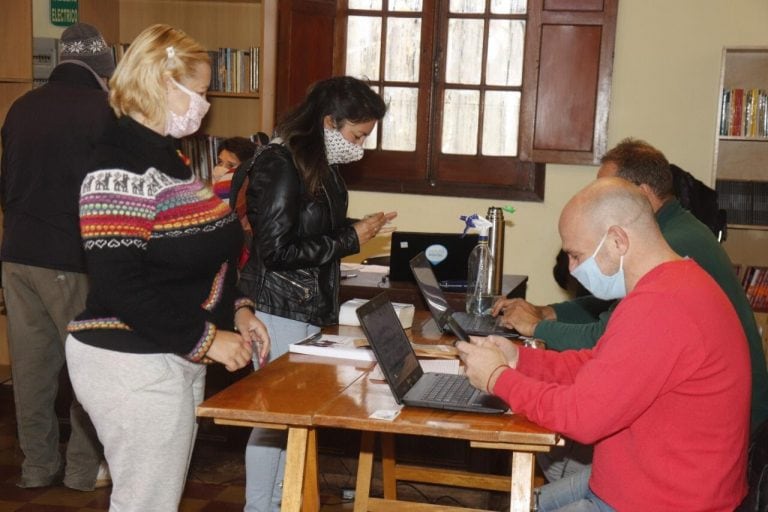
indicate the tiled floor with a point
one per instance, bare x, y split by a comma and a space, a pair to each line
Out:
216, 478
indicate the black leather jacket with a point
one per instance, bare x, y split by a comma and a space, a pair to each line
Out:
298, 241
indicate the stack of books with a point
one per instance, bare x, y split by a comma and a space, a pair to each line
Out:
746, 202
755, 283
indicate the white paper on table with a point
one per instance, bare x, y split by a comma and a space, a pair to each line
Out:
441, 366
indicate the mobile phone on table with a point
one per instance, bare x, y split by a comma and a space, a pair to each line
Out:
456, 329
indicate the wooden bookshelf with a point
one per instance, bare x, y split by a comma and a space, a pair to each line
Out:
213, 23
741, 162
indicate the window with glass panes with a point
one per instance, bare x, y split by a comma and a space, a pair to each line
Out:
482, 93
461, 60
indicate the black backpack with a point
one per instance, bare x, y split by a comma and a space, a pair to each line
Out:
700, 200
240, 176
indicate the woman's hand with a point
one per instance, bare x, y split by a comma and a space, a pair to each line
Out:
371, 225
254, 332
230, 349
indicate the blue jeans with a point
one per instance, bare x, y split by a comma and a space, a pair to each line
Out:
265, 452
571, 494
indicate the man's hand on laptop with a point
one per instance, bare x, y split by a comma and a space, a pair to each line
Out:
486, 359
521, 315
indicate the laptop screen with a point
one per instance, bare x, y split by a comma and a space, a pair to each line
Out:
430, 290
448, 253
394, 353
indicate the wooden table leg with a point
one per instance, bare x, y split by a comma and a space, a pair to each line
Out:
311, 501
364, 471
522, 482
388, 469
295, 460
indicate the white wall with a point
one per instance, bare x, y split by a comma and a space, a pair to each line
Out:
665, 90
41, 20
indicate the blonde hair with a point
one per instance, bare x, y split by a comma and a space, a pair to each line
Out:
138, 84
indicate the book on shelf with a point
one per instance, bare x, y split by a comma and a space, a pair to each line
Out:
736, 198
744, 112
755, 283
235, 70
330, 345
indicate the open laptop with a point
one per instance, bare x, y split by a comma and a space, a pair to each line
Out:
448, 253
403, 372
477, 325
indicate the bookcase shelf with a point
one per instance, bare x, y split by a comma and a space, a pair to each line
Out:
213, 23
741, 164
741, 161
746, 139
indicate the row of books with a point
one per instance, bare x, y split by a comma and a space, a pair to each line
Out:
744, 113
755, 283
232, 70
746, 202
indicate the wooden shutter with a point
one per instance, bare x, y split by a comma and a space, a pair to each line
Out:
305, 50
567, 84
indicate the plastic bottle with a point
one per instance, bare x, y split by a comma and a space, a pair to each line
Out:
480, 295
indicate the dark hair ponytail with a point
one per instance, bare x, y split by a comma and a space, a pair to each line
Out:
345, 99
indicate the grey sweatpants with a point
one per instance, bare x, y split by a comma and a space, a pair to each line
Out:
143, 407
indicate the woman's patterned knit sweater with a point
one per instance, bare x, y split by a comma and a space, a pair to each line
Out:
161, 249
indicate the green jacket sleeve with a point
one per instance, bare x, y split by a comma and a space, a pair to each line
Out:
561, 336
581, 310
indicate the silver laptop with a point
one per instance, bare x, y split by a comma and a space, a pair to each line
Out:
477, 325
403, 372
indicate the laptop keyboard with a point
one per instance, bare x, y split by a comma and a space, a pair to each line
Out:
450, 389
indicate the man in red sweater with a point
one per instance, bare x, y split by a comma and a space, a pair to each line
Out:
664, 399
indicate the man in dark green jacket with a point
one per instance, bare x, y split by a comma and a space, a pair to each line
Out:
580, 322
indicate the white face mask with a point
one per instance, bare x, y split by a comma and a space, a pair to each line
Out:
339, 150
180, 126
604, 287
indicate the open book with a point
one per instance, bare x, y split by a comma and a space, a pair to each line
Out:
330, 345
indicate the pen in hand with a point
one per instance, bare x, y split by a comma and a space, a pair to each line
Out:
257, 347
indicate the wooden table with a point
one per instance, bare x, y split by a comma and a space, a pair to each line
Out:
301, 393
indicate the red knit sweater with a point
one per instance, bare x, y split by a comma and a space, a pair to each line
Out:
664, 396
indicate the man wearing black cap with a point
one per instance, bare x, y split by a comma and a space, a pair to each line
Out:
47, 139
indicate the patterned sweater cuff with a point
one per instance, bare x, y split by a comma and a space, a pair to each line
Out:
198, 353
244, 302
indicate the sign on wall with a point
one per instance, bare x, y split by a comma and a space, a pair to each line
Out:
63, 12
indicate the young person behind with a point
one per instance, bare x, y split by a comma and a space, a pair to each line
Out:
297, 207
233, 152
664, 395
161, 250
48, 136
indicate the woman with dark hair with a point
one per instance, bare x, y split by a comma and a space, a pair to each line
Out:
297, 207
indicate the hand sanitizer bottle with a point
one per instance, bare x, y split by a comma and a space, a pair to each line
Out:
480, 272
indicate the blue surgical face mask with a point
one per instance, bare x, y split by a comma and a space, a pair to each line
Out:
604, 287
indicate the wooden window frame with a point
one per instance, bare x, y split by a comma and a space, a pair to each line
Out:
566, 88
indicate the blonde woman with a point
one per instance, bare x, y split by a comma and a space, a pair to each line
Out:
161, 253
